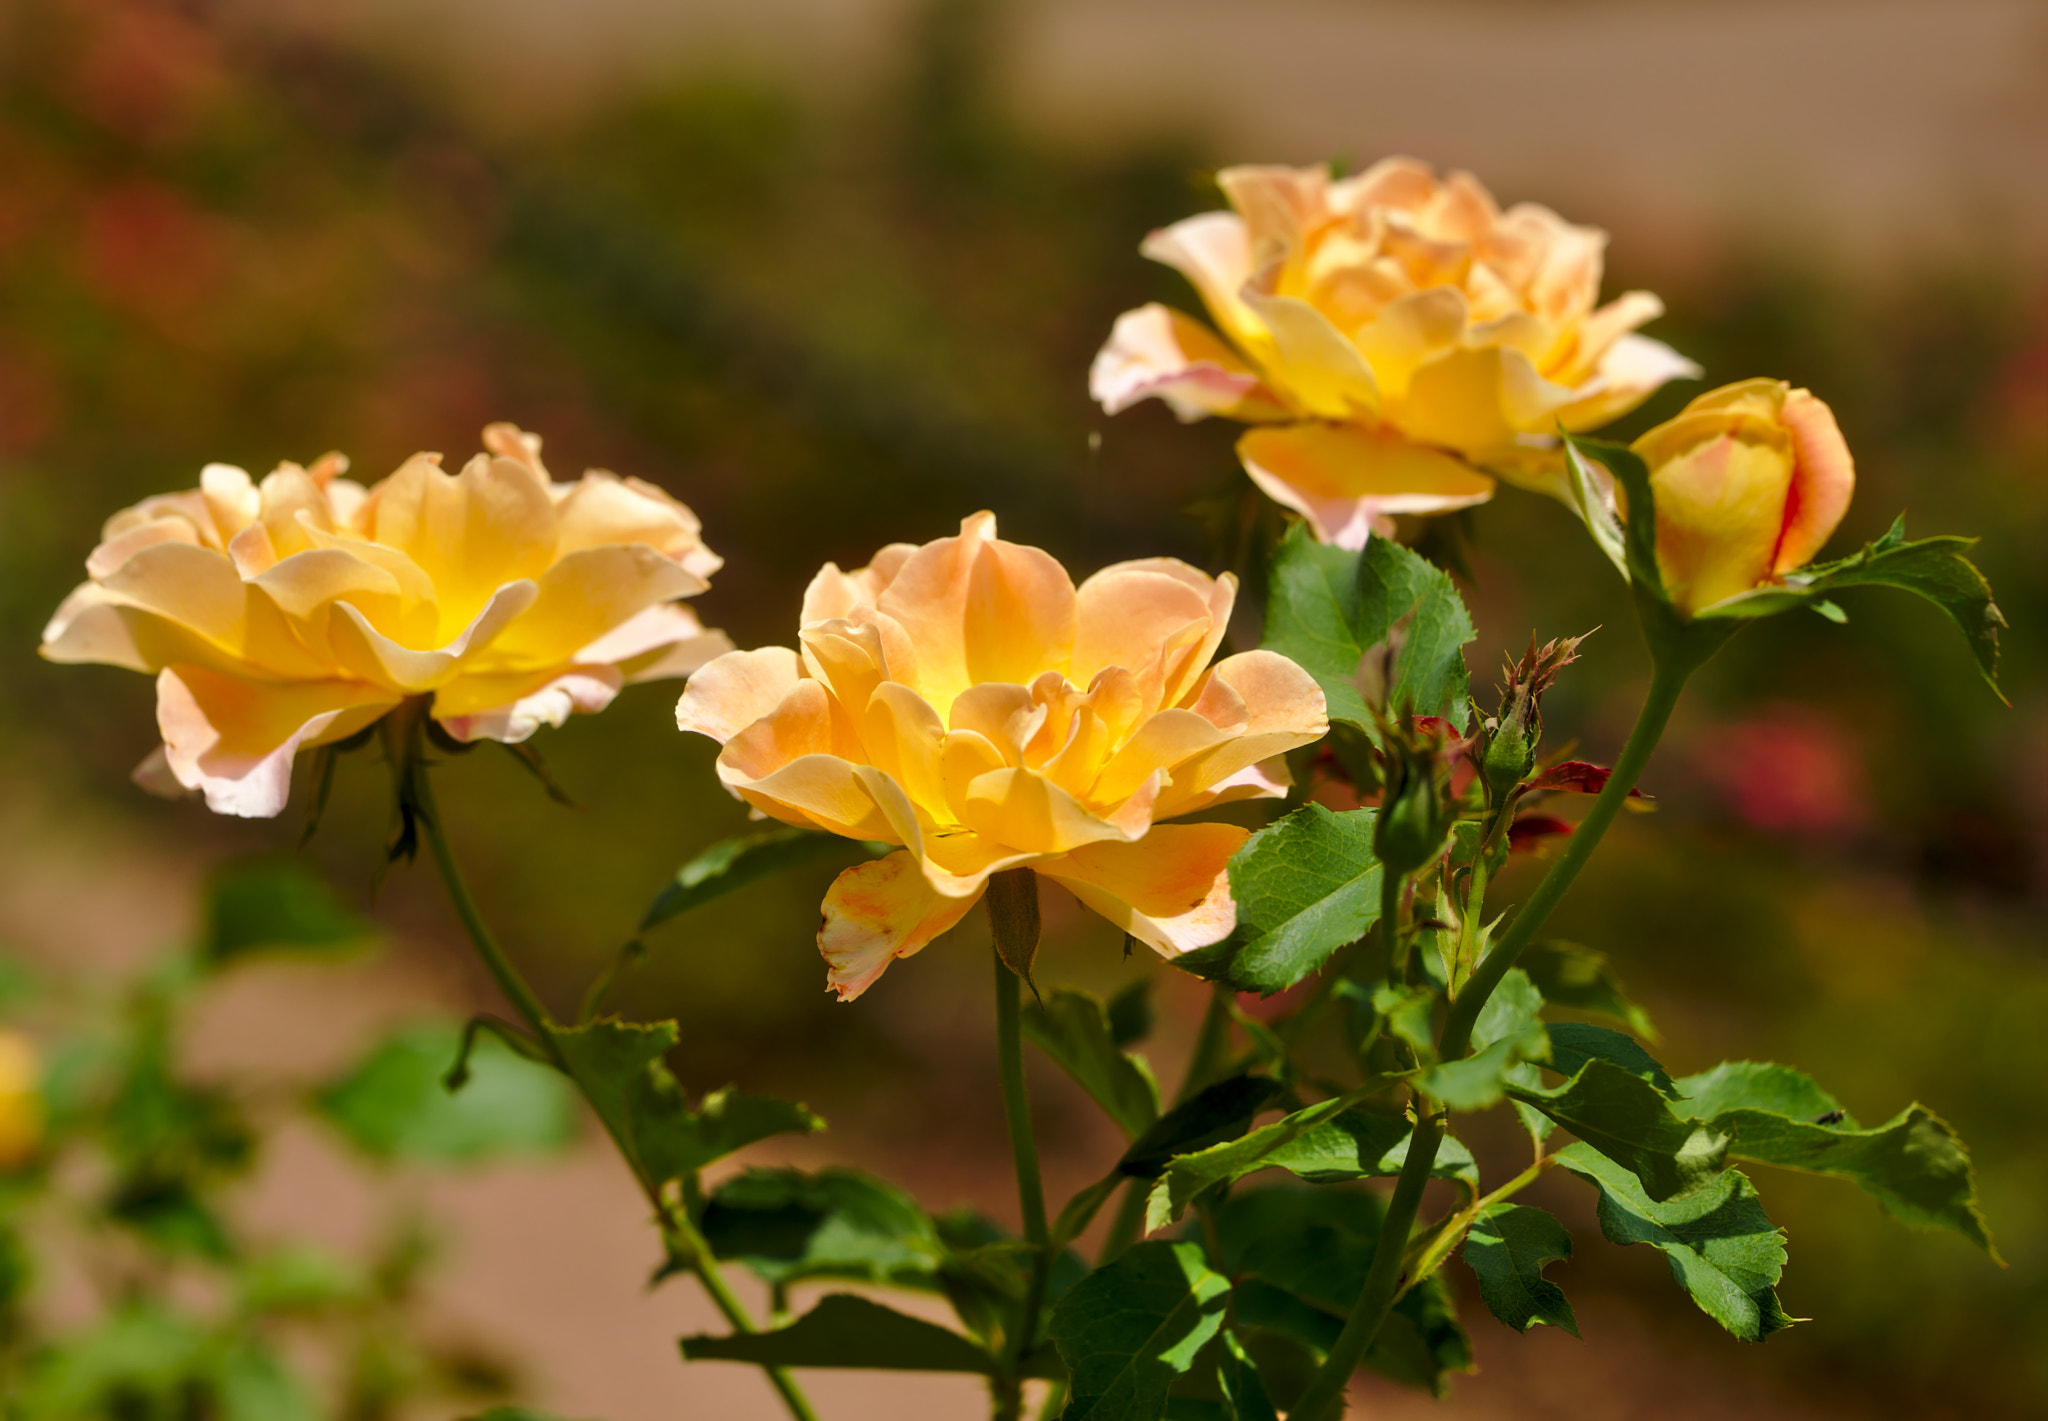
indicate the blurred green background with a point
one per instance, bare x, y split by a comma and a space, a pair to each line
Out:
832, 315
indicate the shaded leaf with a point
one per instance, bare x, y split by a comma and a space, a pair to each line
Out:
1305, 886
1076, 1032
850, 1332
1914, 1164
1220, 1112
1507, 1247
394, 1104
1573, 1043
1328, 1142
1572, 976
787, 1226
1130, 1013
1326, 606
1722, 1249
732, 864
1301, 1255
1509, 1031
276, 903
1129, 1328
253, 1383
1622, 1116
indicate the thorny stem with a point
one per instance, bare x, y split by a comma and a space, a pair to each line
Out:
1324, 1398
1009, 1399
680, 1233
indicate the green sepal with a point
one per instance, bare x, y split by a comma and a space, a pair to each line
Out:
1722, 1249
1638, 533
1593, 506
1128, 1329
1075, 1030
732, 864
1326, 607
1304, 886
845, 1331
1508, 1247
1914, 1164
1625, 1118
1931, 568
1331, 1141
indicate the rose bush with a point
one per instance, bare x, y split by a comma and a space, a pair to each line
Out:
294, 612
966, 701
1750, 480
1398, 339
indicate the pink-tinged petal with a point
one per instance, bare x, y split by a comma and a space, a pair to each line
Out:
1311, 360
1823, 481
1343, 477
366, 653
155, 776
799, 724
88, 627
510, 708
825, 791
1279, 697
1169, 889
1214, 252
834, 594
1125, 614
657, 643
1598, 332
235, 739
737, 689
1634, 368
878, 912
1280, 205
1157, 353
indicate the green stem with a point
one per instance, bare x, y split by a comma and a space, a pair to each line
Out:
1666, 681
1324, 1398
1391, 887
1436, 1245
681, 1235
1009, 1398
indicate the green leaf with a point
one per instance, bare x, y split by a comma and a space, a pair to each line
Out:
1722, 1249
1076, 1032
1328, 1142
732, 864
1326, 607
1572, 976
787, 1226
276, 902
1931, 568
1411, 1015
1305, 886
1300, 1256
619, 1065
1573, 1043
1914, 1164
1220, 1112
253, 1383
850, 1332
393, 1104
1130, 1013
299, 1279
1507, 1247
1623, 1116
1128, 1329
1594, 506
1509, 1031
139, 1359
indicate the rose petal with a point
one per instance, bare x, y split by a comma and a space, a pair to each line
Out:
880, 911
1169, 889
1342, 477
235, 739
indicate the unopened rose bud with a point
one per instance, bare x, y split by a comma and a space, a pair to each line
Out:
1413, 821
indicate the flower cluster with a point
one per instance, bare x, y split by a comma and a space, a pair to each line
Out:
965, 700
296, 611
1396, 338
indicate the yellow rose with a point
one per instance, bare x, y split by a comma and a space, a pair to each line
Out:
1750, 482
287, 614
21, 1108
1392, 334
965, 700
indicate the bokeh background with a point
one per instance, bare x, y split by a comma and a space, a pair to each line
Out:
832, 272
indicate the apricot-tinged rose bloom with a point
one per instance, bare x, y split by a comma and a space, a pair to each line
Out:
289, 613
1397, 339
966, 701
21, 1107
1750, 482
